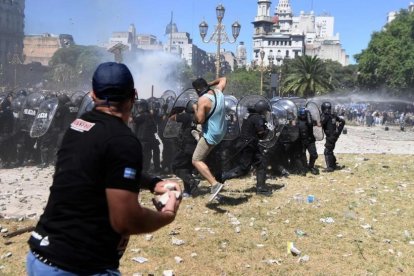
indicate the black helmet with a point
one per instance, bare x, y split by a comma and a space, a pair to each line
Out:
34, 100
142, 106
63, 98
302, 112
261, 106
326, 107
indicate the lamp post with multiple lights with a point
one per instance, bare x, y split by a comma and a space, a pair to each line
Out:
219, 35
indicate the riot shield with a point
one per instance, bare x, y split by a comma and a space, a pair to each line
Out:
75, 101
29, 110
169, 98
233, 131
299, 102
155, 105
86, 105
244, 107
279, 122
172, 128
17, 106
316, 117
44, 117
288, 113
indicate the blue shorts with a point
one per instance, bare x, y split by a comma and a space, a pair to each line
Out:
35, 267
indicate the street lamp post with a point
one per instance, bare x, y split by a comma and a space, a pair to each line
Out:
262, 55
15, 60
279, 59
219, 35
271, 59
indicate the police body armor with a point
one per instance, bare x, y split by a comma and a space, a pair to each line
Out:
244, 108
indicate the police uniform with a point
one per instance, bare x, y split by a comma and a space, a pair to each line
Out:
146, 128
98, 152
253, 129
332, 126
307, 139
182, 164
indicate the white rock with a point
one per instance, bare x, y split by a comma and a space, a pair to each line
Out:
178, 259
176, 241
140, 260
168, 273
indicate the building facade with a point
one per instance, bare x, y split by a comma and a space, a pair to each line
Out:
41, 48
11, 33
282, 35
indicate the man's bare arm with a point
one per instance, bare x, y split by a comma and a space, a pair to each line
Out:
219, 83
128, 217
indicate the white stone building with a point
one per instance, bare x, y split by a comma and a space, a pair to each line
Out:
283, 35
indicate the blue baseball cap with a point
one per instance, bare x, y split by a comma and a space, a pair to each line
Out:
113, 81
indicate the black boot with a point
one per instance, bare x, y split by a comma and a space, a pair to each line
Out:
330, 165
261, 188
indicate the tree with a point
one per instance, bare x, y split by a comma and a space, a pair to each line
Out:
308, 77
73, 66
389, 59
242, 82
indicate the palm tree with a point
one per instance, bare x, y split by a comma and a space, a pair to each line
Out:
308, 77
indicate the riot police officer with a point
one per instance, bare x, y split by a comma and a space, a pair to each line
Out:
6, 131
253, 129
146, 127
307, 139
332, 126
182, 164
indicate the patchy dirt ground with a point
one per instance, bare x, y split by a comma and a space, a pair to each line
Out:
24, 191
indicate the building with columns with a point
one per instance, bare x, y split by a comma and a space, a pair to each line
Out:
283, 35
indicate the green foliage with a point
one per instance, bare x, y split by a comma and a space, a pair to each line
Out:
74, 66
242, 82
389, 59
308, 77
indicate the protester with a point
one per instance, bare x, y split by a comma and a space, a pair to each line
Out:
210, 112
93, 205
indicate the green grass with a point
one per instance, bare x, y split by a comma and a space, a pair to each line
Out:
375, 190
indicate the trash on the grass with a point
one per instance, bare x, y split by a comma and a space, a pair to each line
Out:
140, 260
291, 249
327, 220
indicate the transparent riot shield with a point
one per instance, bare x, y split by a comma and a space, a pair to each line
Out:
289, 112
279, 122
86, 105
30, 109
246, 105
299, 102
172, 128
313, 109
44, 117
233, 131
169, 97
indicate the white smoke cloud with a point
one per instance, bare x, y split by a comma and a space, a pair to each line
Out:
153, 70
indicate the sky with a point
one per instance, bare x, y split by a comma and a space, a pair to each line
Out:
91, 22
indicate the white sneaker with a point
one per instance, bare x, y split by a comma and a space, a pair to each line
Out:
215, 189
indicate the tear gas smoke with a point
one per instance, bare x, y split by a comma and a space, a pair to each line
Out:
155, 69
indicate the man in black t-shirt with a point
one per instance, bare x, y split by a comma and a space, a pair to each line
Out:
93, 205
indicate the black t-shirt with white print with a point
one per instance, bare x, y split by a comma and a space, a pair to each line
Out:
98, 151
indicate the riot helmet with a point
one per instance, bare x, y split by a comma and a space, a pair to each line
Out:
261, 107
63, 98
142, 106
34, 100
326, 107
21, 93
302, 112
